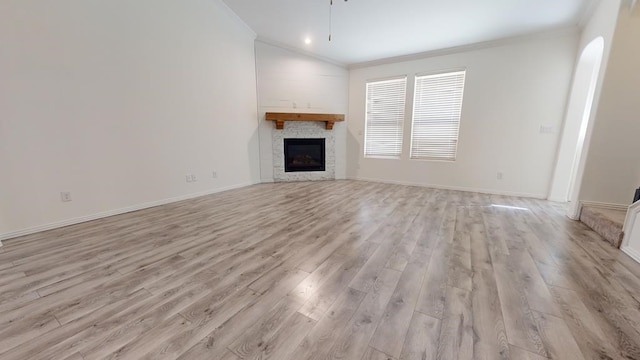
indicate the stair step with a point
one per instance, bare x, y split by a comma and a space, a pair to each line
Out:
606, 222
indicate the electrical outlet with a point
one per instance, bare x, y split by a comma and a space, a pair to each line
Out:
214, 174
188, 178
499, 175
546, 129
295, 105
193, 178
65, 196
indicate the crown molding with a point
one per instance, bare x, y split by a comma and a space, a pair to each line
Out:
559, 32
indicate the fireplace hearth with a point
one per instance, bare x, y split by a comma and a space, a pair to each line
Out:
301, 155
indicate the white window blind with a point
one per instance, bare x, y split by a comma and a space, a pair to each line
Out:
436, 116
384, 117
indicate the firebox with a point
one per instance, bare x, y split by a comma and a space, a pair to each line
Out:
304, 155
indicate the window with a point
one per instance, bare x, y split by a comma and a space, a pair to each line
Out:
436, 116
384, 117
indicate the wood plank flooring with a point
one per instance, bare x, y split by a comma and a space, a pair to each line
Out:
322, 270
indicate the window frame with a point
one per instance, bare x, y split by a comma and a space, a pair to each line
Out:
416, 98
400, 120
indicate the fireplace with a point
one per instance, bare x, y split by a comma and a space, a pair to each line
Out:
305, 131
304, 155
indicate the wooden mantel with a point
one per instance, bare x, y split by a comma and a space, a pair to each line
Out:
280, 118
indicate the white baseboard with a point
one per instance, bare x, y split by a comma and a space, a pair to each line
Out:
602, 205
632, 253
575, 217
78, 220
455, 188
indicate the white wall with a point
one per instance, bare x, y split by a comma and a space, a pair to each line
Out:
511, 90
601, 23
286, 78
612, 170
116, 101
570, 153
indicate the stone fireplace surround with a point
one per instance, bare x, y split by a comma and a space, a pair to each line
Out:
301, 130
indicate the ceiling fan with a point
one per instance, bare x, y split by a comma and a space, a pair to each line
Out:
330, 13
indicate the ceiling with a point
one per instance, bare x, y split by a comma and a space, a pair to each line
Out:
367, 30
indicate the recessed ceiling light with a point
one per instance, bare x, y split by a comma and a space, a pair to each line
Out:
307, 40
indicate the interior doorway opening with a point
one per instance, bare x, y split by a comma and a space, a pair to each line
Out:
567, 178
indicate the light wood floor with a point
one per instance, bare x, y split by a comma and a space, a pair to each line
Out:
323, 270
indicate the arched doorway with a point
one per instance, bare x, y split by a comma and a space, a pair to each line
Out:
565, 186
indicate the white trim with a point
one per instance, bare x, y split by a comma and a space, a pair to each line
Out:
455, 188
557, 199
629, 221
608, 206
632, 253
574, 208
564, 31
124, 210
574, 211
